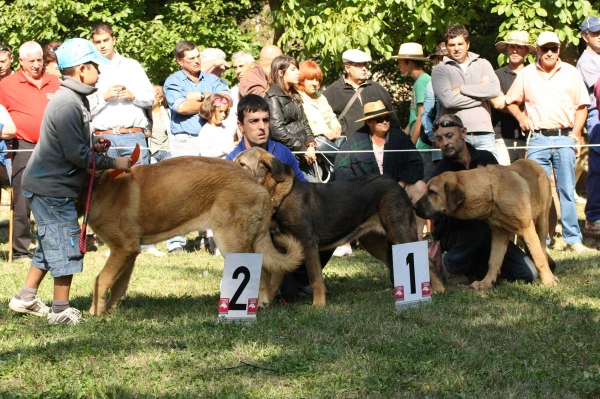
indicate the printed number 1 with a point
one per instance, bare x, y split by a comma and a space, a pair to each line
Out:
410, 260
240, 270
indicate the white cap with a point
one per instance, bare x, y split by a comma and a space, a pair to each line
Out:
355, 56
547, 37
214, 54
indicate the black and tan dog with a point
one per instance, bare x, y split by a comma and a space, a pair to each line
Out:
156, 202
373, 209
510, 199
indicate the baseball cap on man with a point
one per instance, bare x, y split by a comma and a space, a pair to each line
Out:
547, 37
78, 51
592, 24
355, 56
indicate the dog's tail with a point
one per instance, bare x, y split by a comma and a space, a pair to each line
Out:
273, 259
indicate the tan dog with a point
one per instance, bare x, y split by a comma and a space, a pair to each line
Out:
510, 199
373, 209
156, 202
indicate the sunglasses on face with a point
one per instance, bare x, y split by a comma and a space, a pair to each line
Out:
446, 123
554, 49
382, 119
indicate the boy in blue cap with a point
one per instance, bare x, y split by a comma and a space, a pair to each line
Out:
54, 177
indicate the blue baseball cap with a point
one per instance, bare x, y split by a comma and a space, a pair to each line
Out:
78, 51
592, 24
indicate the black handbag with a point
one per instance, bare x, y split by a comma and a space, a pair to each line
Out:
324, 145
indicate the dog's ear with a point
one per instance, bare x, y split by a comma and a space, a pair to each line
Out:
273, 165
454, 195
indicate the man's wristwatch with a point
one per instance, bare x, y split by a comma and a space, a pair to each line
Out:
202, 96
312, 144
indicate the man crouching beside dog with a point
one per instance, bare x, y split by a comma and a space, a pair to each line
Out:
54, 178
467, 243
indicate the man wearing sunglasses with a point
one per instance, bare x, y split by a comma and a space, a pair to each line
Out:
467, 243
556, 102
6, 60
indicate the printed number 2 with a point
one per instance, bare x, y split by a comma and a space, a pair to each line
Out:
240, 270
410, 260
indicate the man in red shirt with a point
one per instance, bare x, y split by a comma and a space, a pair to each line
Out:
25, 95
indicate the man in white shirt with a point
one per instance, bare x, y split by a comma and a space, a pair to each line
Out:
124, 90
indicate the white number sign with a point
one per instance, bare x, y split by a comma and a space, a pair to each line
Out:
239, 287
411, 274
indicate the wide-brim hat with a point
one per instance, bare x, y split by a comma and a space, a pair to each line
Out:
375, 109
518, 37
410, 51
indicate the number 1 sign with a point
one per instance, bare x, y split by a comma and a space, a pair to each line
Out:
411, 274
239, 287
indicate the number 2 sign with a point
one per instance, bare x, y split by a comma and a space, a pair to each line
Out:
239, 287
411, 274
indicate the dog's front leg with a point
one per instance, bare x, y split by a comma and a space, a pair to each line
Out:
315, 273
114, 267
499, 245
119, 288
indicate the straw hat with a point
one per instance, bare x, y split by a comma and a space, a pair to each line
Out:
518, 37
375, 109
410, 51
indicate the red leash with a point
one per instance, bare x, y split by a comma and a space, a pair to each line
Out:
83, 235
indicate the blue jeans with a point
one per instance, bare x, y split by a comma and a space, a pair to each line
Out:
483, 142
563, 162
592, 207
159, 155
57, 233
128, 140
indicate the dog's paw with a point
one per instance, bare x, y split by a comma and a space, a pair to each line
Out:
481, 285
550, 281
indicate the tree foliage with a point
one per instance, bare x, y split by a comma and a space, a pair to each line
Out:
324, 29
146, 30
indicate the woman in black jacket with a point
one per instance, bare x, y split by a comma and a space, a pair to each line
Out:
288, 124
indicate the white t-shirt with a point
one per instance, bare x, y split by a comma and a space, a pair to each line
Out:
215, 141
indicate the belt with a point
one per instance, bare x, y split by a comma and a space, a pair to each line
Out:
184, 133
119, 130
479, 133
554, 132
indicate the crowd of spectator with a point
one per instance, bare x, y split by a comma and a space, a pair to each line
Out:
539, 110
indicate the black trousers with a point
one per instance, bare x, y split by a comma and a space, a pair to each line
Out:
21, 226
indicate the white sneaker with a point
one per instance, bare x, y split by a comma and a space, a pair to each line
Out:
579, 248
35, 307
70, 316
155, 252
343, 250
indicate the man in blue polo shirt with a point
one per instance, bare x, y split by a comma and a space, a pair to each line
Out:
253, 122
185, 91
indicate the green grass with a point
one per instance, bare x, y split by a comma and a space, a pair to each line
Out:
514, 341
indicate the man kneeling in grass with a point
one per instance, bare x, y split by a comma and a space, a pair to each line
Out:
54, 178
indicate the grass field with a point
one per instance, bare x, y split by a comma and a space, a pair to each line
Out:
514, 341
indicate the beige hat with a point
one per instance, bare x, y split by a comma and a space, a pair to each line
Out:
375, 109
518, 37
547, 37
355, 55
411, 51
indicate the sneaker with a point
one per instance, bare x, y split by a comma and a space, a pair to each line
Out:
68, 316
592, 225
343, 250
155, 252
35, 307
578, 248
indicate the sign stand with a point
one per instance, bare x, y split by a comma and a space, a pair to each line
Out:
239, 287
412, 286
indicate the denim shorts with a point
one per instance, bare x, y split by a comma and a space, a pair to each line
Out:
57, 233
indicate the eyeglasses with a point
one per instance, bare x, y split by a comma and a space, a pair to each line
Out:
382, 119
5, 48
446, 123
359, 65
53, 49
554, 49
